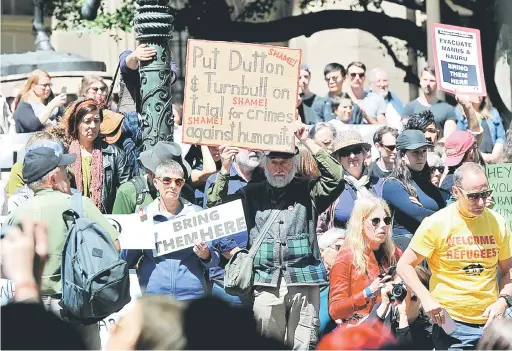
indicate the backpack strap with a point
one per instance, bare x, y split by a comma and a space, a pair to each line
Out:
77, 205
141, 189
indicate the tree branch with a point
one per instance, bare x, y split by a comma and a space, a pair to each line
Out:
410, 76
284, 29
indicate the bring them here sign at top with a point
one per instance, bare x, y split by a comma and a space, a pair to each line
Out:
458, 59
241, 94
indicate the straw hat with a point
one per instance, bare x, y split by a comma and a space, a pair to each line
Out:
350, 137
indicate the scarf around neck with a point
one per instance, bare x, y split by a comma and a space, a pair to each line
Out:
359, 185
96, 172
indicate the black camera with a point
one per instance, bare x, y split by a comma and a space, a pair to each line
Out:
399, 292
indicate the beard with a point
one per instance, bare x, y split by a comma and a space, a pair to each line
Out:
278, 181
249, 162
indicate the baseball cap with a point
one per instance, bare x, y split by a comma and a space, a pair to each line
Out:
456, 145
281, 154
111, 126
163, 151
411, 139
42, 158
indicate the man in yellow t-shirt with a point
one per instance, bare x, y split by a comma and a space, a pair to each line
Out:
464, 245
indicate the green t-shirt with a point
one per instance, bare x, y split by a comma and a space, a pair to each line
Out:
48, 206
87, 176
126, 199
15, 178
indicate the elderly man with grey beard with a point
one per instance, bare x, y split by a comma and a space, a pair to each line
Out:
245, 170
288, 269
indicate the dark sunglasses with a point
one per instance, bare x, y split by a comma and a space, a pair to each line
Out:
476, 196
333, 78
439, 168
168, 181
360, 75
390, 147
347, 152
95, 89
376, 221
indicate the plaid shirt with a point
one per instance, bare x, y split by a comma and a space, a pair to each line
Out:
290, 246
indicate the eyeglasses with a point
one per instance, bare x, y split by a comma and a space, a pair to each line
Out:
476, 196
438, 168
390, 147
376, 221
333, 78
47, 85
360, 75
347, 152
168, 181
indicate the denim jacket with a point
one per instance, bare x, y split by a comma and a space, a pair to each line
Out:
495, 125
180, 274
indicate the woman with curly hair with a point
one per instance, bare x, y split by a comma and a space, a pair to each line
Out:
100, 168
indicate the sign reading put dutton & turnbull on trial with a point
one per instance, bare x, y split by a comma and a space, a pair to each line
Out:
241, 94
458, 59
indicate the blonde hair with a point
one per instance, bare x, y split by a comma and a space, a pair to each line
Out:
26, 93
307, 167
356, 239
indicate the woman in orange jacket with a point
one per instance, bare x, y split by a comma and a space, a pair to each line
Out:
361, 267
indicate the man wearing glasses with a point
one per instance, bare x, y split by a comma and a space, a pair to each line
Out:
372, 104
179, 274
464, 244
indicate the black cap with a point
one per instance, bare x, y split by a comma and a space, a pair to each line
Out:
411, 139
279, 154
43, 158
163, 151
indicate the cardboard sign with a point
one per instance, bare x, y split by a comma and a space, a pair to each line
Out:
207, 225
458, 59
241, 94
499, 177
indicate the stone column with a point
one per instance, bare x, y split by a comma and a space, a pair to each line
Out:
153, 26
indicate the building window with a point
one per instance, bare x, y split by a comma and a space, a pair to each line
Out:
18, 7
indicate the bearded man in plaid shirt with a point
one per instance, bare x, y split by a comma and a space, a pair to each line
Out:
288, 269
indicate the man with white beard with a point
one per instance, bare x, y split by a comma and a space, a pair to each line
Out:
288, 269
394, 106
245, 170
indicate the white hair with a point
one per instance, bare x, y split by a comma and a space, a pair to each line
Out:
278, 182
44, 182
168, 166
433, 159
375, 71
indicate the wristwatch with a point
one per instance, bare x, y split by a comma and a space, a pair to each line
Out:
507, 298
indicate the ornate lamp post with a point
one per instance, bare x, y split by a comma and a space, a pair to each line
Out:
153, 26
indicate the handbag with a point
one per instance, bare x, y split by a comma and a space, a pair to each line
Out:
239, 275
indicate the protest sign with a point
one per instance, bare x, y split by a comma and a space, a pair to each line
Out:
207, 225
241, 94
499, 177
6, 291
13, 150
458, 59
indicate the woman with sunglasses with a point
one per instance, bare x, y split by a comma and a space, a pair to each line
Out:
100, 168
404, 316
408, 190
362, 265
93, 87
437, 168
35, 104
351, 152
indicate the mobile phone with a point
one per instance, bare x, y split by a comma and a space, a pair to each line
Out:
449, 325
391, 272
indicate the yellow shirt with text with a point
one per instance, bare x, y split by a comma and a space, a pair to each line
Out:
463, 255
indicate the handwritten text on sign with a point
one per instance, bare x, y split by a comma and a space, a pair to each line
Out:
240, 94
207, 225
500, 181
458, 58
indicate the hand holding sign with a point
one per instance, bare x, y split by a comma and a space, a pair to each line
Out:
227, 156
201, 250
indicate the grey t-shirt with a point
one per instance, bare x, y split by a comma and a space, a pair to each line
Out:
374, 104
441, 110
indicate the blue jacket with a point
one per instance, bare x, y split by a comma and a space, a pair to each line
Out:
180, 274
495, 125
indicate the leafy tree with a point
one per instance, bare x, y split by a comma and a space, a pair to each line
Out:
243, 20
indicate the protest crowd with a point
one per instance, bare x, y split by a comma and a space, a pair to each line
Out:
344, 242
